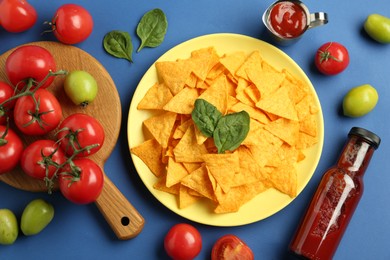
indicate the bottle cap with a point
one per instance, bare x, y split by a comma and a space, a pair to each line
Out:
369, 136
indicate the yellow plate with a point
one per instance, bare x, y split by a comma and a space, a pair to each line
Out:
266, 203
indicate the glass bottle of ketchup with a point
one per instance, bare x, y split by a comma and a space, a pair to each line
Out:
335, 200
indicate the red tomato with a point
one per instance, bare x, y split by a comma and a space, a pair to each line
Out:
30, 63
33, 121
72, 24
6, 92
17, 15
232, 248
11, 148
183, 242
41, 159
80, 131
82, 181
331, 58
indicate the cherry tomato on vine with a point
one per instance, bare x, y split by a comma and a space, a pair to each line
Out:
11, 148
6, 92
17, 15
79, 131
38, 115
231, 247
81, 87
42, 158
331, 58
72, 24
183, 242
81, 181
30, 64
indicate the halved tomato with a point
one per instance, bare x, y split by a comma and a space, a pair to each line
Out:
230, 247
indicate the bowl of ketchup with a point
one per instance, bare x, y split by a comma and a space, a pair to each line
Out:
287, 21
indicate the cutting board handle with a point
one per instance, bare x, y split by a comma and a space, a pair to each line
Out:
123, 218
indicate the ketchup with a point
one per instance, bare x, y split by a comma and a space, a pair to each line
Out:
336, 199
288, 19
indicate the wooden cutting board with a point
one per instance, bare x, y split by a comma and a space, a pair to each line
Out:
123, 218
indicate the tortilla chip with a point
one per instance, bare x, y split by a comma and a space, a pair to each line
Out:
306, 107
188, 150
183, 102
305, 141
309, 125
285, 155
203, 61
160, 126
222, 167
175, 172
233, 61
174, 74
266, 82
182, 128
253, 112
216, 94
215, 72
264, 146
186, 199
252, 63
238, 196
199, 181
279, 103
190, 167
160, 185
155, 98
250, 171
242, 84
150, 153
284, 178
285, 129
191, 81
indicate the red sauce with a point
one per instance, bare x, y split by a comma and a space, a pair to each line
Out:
333, 204
328, 216
288, 19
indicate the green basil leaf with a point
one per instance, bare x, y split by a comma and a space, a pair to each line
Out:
118, 44
231, 130
152, 28
205, 116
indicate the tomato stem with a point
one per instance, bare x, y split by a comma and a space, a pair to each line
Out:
75, 171
52, 25
326, 55
28, 91
4, 141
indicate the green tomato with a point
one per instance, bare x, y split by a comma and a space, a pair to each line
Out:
378, 27
8, 227
36, 216
81, 87
360, 101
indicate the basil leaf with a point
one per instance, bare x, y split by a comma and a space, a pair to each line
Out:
205, 116
152, 28
231, 130
118, 44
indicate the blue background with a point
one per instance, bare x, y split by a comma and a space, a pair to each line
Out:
81, 232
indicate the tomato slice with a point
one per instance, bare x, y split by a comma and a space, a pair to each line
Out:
230, 247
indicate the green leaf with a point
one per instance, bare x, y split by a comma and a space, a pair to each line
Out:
231, 130
205, 116
152, 28
118, 44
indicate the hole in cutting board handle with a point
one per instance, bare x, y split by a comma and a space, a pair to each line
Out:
125, 221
